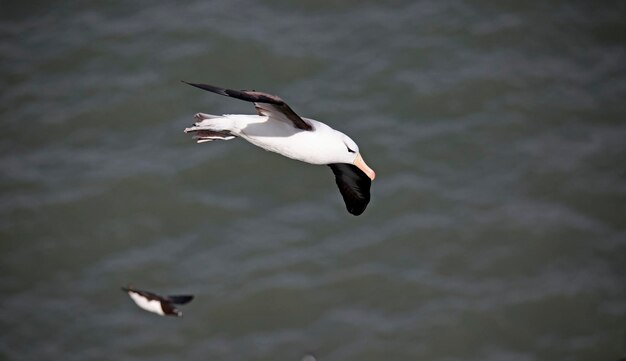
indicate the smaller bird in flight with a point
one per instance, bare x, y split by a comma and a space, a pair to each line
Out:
161, 305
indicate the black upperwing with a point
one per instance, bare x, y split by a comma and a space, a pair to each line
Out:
147, 294
180, 299
265, 104
354, 186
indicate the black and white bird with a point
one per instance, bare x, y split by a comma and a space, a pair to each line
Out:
277, 128
161, 305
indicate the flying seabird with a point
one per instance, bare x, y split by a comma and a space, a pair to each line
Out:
277, 128
162, 305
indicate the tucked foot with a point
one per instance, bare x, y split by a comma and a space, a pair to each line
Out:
204, 135
201, 116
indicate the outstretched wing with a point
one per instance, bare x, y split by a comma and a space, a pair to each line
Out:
180, 299
354, 186
265, 104
147, 294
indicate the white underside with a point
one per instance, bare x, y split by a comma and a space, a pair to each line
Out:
323, 145
148, 305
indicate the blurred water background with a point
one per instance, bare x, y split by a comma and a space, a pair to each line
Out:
497, 226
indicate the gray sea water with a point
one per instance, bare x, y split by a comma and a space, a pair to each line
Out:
497, 226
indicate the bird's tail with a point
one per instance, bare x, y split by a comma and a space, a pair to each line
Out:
210, 127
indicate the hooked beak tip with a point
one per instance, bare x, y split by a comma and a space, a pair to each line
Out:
360, 163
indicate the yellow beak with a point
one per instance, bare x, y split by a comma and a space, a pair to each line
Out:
360, 163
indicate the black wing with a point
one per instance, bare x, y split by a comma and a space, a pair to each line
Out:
354, 186
265, 104
149, 295
180, 299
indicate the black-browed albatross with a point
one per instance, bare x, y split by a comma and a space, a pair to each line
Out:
277, 128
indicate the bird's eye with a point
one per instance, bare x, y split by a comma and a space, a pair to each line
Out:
350, 150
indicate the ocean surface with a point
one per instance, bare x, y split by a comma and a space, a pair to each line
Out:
497, 225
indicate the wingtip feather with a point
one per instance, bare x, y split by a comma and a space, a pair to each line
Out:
354, 186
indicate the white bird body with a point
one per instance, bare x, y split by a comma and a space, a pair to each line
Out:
146, 304
319, 146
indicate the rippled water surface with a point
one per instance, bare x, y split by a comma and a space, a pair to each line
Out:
496, 229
